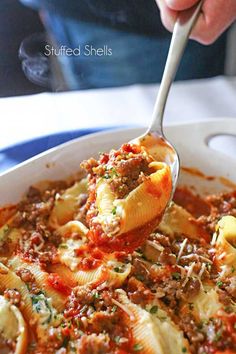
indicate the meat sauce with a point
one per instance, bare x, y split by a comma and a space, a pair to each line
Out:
91, 317
193, 203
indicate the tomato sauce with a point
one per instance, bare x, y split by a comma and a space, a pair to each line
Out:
6, 213
56, 282
126, 242
193, 203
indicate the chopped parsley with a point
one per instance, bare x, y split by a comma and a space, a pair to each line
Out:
117, 339
140, 277
184, 350
190, 306
106, 176
96, 295
219, 284
77, 322
63, 246
218, 336
5, 230
162, 318
153, 309
118, 270
209, 267
113, 211
137, 347
114, 308
40, 304
232, 269
65, 342
176, 276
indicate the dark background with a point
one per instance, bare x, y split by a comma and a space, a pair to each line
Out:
16, 23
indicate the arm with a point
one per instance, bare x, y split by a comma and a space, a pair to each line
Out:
215, 18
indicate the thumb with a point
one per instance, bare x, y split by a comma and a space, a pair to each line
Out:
180, 5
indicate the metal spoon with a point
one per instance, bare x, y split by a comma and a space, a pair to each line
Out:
154, 140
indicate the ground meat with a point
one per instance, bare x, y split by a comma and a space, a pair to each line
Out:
89, 165
162, 239
224, 297
13, 296
191, 329
102, 321
191, 289
231, 288
129, 174
83, 297
138, 292
93, 344
34, 246
124, 169
34, 194
167, 257
221, 205
25, 275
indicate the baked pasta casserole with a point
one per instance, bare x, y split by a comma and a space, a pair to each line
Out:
94, 267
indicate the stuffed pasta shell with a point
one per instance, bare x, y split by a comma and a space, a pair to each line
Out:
122, 183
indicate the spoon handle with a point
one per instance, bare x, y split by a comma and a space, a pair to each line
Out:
182, 30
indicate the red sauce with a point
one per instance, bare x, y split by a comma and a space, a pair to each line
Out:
230, 322
104, 158
127, 148
91, 256
193, 203
89, 263
6, 213
196, 172
227, 330
55, 281
127, 242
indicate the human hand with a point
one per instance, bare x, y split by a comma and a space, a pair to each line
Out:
216, 16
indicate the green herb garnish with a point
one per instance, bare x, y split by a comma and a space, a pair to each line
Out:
217, 336
63, 245
137, 347
153, 309
114, 308
96, 295
117, 339
191, 306
65, 342
140, 277
176, 276
113, 211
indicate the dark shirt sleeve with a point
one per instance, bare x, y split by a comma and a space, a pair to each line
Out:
140, 16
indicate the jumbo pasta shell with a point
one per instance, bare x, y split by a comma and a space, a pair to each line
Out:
148, 201
154, 336
226, 241
145, 203
13, 326
65, 205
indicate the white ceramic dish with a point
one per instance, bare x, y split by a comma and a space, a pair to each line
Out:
189, 139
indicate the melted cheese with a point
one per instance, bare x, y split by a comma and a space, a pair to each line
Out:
206, 304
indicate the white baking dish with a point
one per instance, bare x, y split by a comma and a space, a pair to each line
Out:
189, 139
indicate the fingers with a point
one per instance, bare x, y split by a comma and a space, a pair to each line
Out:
168, 16
216, 16
179, 5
